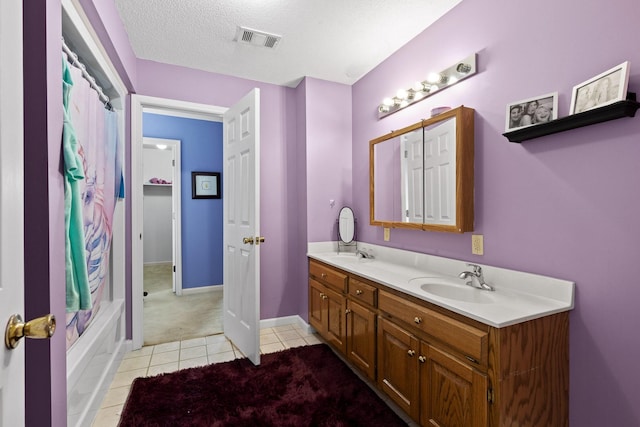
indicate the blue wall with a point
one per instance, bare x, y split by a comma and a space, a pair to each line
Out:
201, 218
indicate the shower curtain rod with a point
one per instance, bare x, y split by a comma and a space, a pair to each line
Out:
72, 57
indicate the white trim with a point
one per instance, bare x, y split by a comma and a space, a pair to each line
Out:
183, 114
202, 290
283, 321
140, 104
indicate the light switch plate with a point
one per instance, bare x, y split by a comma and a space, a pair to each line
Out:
387, 234
477, 244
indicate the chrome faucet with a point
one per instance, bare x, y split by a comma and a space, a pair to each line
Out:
364, 254
477, 279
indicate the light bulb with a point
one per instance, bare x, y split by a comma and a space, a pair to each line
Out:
402, 94
434, 78
388, 102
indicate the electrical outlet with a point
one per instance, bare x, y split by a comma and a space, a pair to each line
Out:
387, 234
477, 244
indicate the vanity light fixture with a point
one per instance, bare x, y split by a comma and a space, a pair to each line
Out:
433, 83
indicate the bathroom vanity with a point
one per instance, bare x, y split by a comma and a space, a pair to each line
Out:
449, 355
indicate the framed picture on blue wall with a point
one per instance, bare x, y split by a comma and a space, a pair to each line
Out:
205, 185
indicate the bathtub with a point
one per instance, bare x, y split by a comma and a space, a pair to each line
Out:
92, 362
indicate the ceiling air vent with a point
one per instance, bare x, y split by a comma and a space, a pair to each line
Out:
256, 38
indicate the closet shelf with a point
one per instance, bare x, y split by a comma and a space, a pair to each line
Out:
613, 111
147, 184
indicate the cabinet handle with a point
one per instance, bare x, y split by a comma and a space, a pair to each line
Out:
347, 311
417, 319
323, 275
411, 353
422, 359
359, 292
324, 296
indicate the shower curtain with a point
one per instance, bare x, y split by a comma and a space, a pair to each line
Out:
99, 154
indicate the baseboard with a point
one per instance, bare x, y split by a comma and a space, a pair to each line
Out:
201, 289
287, 320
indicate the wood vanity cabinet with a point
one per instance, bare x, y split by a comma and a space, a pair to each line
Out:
327, 304
442, 368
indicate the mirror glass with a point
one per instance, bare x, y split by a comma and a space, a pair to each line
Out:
346, 225
422, 175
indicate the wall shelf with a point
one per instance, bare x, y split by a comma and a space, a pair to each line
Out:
613, 111
147, 184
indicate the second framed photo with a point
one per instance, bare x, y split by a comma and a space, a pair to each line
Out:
532, 111
603, 89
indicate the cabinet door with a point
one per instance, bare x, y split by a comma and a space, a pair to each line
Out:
336, 328
361, 338
316, 303
453, 394
398, 366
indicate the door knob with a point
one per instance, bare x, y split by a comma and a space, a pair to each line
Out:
42, 327
259, 240
248, 240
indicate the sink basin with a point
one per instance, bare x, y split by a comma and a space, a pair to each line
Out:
457, 292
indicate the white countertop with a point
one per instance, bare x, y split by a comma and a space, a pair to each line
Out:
518, 296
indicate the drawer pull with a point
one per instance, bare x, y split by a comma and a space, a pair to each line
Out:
411, 353
323, 275
471, 359
422, 359
347, 311
417, 320
359, 292
323, 296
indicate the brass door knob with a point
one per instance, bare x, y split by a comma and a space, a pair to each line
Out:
42, 327
248, 240
259, 240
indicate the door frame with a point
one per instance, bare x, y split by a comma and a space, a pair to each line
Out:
176, 208
139, 105
12, 289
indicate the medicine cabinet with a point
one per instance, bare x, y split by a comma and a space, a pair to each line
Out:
422, 176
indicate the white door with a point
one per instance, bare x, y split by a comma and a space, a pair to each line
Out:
11, 209
440, 173
241, 195
412, 177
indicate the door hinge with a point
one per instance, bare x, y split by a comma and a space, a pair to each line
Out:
490, 395
406, 154
407, 213
174, 268
173, 162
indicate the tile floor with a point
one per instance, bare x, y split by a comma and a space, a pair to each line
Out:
173, 356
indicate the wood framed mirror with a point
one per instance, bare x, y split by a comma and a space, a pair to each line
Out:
422, 176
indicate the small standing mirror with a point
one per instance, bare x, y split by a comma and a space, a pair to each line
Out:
346, 227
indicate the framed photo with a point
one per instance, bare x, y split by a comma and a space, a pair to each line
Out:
603, 89
532, 111
205, 185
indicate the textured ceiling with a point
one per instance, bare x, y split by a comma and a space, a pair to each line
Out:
335, 40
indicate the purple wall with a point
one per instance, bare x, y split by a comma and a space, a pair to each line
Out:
328, 152
201, 151
564, 205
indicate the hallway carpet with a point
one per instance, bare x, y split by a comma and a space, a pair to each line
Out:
169, 318
303, 386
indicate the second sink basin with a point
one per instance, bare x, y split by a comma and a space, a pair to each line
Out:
447, 289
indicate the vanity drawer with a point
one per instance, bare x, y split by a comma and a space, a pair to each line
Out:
363, 292
328, 276
468, 340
